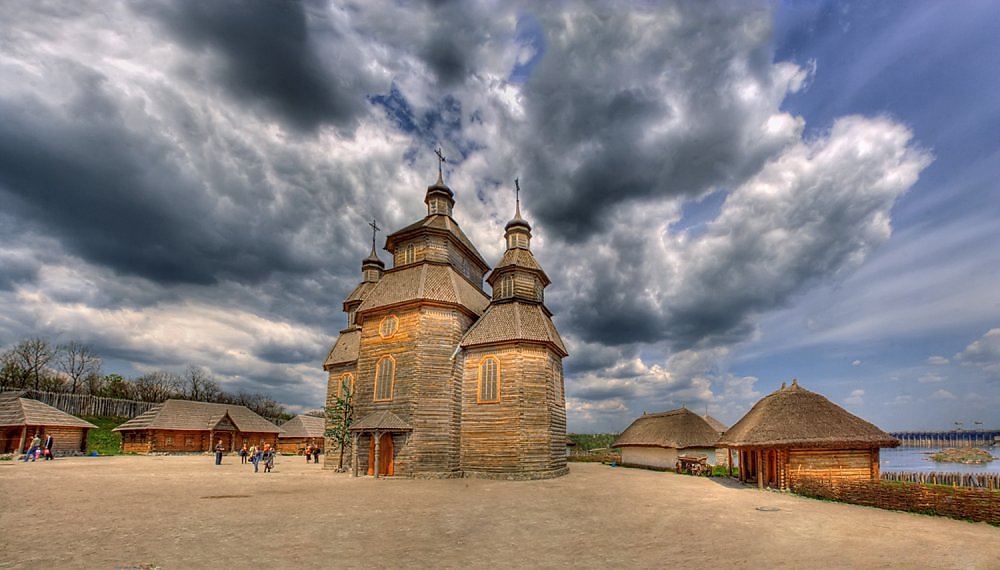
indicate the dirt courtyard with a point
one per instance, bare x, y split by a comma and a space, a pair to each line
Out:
186, 512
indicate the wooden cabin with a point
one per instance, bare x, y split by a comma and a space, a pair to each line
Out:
446, 379
656, 440
178, 426
22, 418
794, 433
299, 432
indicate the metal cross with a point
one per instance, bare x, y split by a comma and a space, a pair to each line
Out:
517, 191
441, 160
375, 228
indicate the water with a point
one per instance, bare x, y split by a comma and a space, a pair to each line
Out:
917, 460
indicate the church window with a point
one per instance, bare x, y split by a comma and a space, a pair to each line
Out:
409, 254
388, 326
489, 381
507, 287
350, 317
169, 440
433, 206
346, 385
385, 376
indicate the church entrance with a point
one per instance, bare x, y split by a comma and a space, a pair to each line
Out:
385, 463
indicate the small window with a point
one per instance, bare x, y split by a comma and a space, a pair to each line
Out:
433, 206
388, 326
188, 441
489, 381
409, 254
507, 287
385, 375
169, 440
346, 384
350, 317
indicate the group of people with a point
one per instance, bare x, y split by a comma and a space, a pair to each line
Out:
257, 455
38, 450
312, 451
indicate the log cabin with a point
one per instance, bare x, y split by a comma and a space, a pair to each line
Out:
793, 433
22, 418
178, 426
445, 379
299, 432
655, 440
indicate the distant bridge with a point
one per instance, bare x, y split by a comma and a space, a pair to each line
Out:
954, 438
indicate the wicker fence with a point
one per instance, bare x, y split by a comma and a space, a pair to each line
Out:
85, 405
982, 505
989, 481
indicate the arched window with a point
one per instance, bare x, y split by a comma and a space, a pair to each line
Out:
409, 254
346, 386
489, 381
385, 375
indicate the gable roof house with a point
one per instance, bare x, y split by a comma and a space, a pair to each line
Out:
186, 426
300, 431
793, 433
656, 440
22, 418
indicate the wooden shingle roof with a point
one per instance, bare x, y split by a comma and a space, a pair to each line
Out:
188, 415
360, 292
513, 321
438, 223
18, 411
425, 281
383, 420
522, 259
303, 426
346, 349
677, 429
796, 417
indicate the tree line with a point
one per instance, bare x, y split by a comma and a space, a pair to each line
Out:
75, 368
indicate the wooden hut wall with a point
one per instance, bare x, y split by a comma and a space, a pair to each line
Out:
65, 439
298, 444
832, 464
655, 457
10, 439
189, 441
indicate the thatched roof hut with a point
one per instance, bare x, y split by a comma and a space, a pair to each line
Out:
300, 431
21, 418
183, 425
793, 432
655, 440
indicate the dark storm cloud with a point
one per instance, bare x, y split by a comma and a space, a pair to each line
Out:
267, 55
120, 197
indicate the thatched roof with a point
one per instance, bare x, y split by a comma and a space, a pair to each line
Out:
303, 426
18, 411
677, 429
197, 416
796, 417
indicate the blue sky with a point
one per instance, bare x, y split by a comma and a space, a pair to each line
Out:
725, 195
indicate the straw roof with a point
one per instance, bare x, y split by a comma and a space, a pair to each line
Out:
303, 426
796, 417
677, 429
18, 411
197, 416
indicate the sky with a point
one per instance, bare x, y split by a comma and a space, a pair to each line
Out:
725, 195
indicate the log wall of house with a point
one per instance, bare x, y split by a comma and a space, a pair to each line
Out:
526, 430
298, 444
189, 441
65, 439
831, 464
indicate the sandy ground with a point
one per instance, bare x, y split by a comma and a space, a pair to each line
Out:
185, 512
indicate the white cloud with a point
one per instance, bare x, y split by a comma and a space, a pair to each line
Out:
938, 360
942, 395
931, 378
856, 398
856, 363
983, 353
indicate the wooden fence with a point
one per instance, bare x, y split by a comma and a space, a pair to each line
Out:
982, 505
989, 481
86, 405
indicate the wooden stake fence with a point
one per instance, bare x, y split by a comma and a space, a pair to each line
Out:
989, 481
85, 405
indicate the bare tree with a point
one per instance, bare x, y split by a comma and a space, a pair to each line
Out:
200, 386
157, 386
77, 360
34, 355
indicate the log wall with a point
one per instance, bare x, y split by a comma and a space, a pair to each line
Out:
190, 441
839, 465
64, 439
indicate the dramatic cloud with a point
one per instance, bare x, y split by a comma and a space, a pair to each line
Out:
983, 353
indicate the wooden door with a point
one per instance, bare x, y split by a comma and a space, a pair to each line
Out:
385, 463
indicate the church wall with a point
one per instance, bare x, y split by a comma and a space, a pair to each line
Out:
334, 373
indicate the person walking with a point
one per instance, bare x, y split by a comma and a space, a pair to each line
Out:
268, 458
48, 446
243, 454
36, 442
256, 457
308, 453
316, 454
219, 448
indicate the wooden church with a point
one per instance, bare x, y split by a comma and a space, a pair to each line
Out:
447, 380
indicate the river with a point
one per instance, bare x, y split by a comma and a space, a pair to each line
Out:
917, 459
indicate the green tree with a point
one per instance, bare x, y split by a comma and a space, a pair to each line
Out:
339, 416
